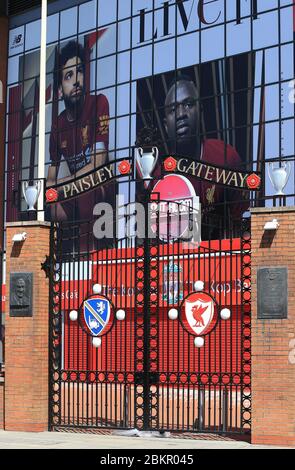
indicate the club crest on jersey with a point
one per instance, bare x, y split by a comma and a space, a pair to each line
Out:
198, 313
97, 312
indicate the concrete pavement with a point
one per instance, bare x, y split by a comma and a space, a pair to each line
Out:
116, 440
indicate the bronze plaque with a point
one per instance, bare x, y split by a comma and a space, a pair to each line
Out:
21, 300
272, 290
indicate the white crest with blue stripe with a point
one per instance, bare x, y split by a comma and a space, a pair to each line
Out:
96, 314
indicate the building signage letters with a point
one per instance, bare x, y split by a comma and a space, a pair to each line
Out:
81, 185
208, 172
185, 166
191, 13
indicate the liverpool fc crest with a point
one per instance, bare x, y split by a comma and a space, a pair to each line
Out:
199, 313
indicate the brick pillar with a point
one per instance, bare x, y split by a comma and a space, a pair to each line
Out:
26, 338
273, 343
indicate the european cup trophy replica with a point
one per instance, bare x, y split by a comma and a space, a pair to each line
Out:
31, 193
279, 176
146, 153
146, 161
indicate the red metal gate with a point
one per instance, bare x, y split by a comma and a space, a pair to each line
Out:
147, 373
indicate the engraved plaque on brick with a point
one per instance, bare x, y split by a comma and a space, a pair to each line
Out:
272, 293
20, 300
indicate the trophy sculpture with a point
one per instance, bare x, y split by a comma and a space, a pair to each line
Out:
31, 193
146, 153
279, 176
146, 161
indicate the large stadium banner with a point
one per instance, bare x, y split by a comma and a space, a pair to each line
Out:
78, 134
192, 116
212, 81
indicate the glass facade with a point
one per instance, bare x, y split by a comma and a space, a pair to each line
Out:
203, 89
213, 81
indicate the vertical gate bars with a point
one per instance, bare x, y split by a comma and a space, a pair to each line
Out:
146, 325
54, 328
246, 326
216, 400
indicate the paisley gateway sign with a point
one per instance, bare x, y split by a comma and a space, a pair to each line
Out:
212, 173
185, 166
81, 185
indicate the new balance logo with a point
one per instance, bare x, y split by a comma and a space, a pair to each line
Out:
17, 39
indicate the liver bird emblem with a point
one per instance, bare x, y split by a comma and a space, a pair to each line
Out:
198, 311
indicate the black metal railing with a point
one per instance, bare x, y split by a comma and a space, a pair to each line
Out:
147, 373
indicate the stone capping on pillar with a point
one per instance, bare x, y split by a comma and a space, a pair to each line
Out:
27, 338
273, 370
29, 223
266, 210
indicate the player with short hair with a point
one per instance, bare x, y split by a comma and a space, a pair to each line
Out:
80, 134
182, 125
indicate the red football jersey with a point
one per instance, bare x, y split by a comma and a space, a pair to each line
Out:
217, 153
75, 140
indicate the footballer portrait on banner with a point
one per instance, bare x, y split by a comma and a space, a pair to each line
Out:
79, 134
202, 114
77, 120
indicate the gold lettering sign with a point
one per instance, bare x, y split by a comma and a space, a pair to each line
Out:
208, 172
80, 185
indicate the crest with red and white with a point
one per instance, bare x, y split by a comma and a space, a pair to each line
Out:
199, 313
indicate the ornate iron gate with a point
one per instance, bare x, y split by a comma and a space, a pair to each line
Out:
147, 373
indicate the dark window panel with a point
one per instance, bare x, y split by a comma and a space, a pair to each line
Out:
14, 7
18, 6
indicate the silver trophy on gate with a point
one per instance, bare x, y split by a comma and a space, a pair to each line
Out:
146, 160
31, 193
279, 176
146, 153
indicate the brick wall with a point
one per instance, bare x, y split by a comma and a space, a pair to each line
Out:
273, 373
26, 339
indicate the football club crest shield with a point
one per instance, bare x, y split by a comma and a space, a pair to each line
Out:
198, 313
97, 312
